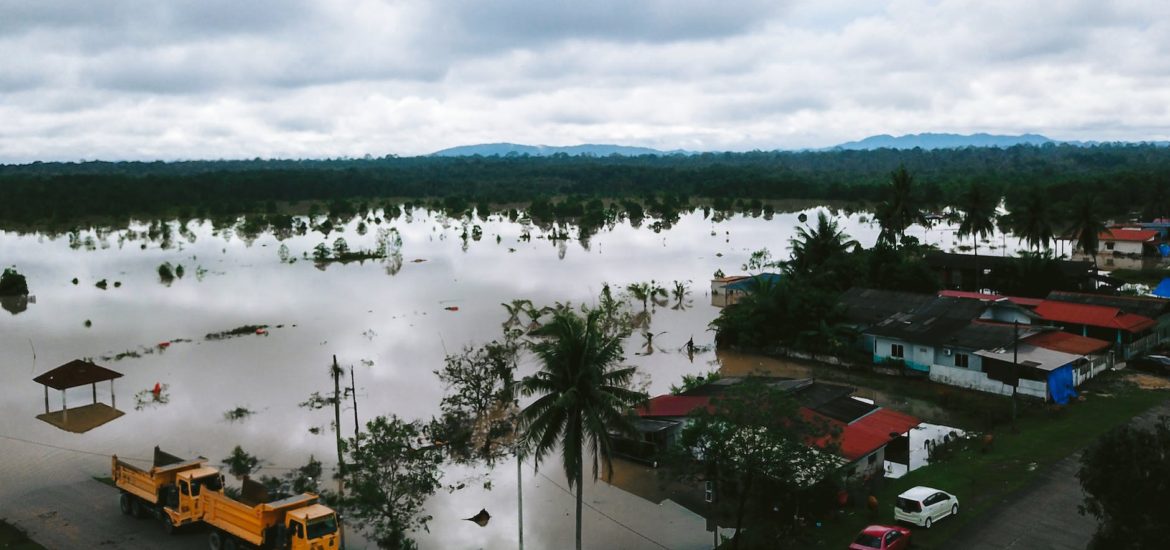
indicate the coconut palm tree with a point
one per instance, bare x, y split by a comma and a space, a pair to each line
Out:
583, 395
901, 208
1031, 219
978, 220
1085, 225
813, 246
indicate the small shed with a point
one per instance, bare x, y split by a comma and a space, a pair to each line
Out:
75, 374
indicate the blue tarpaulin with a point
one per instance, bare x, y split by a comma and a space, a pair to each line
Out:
1060, 385
1163, 288
1164, 249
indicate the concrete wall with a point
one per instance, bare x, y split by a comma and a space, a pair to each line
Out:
862, 467
967, 378
915, 357
1119, 247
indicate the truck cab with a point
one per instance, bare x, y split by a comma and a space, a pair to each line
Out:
313, 527
183, 504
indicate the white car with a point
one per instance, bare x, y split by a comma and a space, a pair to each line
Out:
923, 506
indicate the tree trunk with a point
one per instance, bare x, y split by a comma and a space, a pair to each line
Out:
743, 494
977, 270
580, 489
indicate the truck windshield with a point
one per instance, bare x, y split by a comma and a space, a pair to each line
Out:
321, 527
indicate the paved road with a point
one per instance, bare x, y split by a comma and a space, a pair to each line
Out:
84, 514
1042, 516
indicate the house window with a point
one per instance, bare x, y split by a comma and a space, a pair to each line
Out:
872, 458
962, 360
1109, 246
896, 350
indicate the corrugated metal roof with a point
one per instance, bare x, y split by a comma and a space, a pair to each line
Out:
870, 432
750, 283
868, 306
1118, 234
1068, 342
76, 373
670, 406
1031, 355
1141, 305
1093, 316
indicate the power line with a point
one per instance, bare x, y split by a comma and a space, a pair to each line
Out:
603, 514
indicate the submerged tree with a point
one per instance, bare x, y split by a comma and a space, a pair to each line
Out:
978, 220
1031, 218
813, 248
901, 209
12, 283
1086, 225
480, 391
391, 469
583, 396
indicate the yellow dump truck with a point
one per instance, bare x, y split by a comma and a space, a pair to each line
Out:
293, 523
169, 491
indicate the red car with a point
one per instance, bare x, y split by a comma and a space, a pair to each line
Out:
882, 537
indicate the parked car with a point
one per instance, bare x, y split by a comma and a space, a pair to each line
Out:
882, 537
1151, 363
923, 506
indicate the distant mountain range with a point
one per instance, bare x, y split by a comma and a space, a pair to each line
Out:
884, 141
942, 141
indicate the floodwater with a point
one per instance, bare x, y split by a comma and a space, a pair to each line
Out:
389, 321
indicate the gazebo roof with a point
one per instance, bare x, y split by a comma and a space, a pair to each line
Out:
76, 373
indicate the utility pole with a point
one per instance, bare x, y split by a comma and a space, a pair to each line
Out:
520, 495
336, 372
353, 395
1015, 367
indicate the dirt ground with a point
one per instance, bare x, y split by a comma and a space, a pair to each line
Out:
1149, 381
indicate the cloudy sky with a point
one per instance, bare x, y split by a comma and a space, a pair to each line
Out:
187, 79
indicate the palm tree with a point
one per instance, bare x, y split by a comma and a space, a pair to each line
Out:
978, 221
812, 247
901, 209
1085, 225
1031, 219
584, 395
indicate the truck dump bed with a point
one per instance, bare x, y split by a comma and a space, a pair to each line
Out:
145, 484
249, 523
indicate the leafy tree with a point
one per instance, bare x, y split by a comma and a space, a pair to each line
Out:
1126, 479
480, 386
12, 283
241, 464
1085, 225
645, 292
1031, 218
978, 221
583, 396
813, 248
753, 444
901, 209
692, 381
390, 471
165, 273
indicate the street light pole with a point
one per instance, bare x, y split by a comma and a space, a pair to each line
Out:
1015, 367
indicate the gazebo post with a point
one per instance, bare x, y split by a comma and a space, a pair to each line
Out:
46, 398
64, 407
94, 387
113, 400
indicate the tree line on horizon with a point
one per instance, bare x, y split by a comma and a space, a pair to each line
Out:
1123, 179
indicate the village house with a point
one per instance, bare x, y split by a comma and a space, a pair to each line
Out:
726, 291
1154, 308
1131, 247
861, 430
1131, 334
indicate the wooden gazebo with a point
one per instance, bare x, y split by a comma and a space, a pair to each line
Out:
75, 374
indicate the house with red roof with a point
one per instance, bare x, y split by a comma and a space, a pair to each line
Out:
1129, 333
1128, 247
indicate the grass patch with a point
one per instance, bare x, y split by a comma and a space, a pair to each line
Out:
981, 480
12, 538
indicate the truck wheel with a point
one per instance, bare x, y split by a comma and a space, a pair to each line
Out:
125, 504
215, 541
168, 526
229, 544
137, 509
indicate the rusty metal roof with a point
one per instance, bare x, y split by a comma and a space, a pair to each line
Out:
76, 373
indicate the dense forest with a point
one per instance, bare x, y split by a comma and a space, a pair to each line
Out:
1124, 179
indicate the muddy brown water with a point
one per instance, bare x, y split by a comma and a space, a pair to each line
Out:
394, 329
